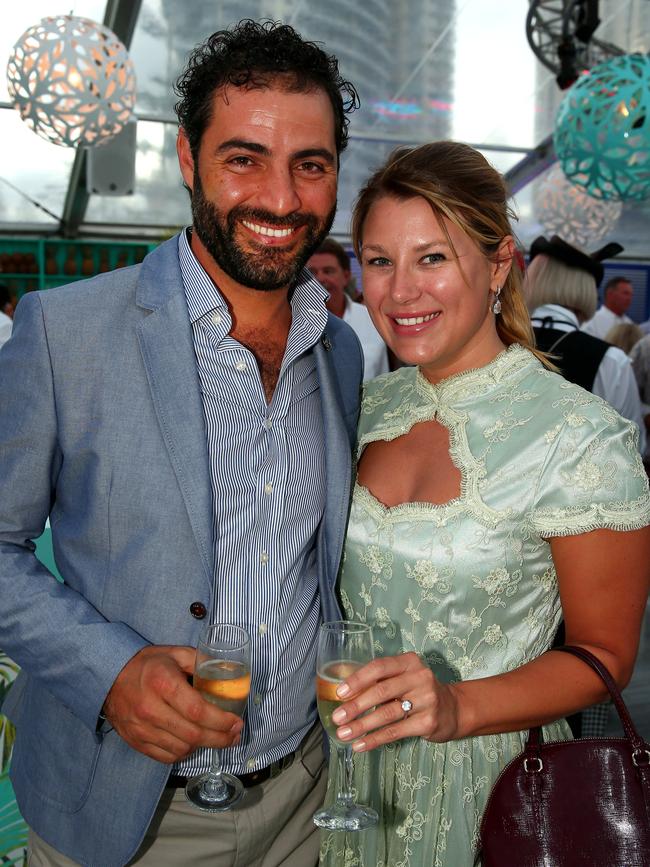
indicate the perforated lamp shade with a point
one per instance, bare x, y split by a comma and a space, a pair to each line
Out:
602, 130
72, 81
567, 210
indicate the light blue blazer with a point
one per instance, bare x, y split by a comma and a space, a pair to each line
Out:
101, 429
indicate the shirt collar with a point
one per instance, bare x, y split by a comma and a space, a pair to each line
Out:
307, 298
202, 295
308, 303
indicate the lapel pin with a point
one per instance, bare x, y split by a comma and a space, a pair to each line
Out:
326, 343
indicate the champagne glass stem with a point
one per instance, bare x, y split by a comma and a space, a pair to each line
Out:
214, 786
345, 794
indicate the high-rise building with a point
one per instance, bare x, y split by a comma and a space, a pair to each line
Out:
423, 71
384, 48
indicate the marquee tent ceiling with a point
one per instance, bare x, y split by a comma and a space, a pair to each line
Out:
425, 69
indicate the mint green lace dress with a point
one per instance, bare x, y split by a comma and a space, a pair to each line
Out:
470, 584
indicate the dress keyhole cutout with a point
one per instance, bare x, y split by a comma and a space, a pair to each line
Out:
414, 468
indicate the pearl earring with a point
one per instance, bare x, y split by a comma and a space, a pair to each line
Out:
496, 307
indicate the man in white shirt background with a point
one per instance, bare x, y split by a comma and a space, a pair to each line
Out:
330, 265
6, 311
617, 298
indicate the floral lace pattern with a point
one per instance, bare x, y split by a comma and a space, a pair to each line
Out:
470, 584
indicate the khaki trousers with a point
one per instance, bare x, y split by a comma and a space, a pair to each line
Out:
271, 827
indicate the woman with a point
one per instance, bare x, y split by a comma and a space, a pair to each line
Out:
488, 488
561, 291
625, 335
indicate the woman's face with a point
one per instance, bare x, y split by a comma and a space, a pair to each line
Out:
428, 310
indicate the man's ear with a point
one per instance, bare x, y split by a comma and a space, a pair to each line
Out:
185, 158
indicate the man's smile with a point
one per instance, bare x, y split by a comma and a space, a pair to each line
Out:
269, 231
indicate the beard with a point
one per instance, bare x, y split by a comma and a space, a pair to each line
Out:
266, 268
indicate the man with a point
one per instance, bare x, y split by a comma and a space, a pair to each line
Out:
330, 265
6, 309
187, 425
618, 294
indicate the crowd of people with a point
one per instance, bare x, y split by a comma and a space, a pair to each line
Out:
198, 433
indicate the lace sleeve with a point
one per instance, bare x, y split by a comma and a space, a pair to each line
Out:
593, 477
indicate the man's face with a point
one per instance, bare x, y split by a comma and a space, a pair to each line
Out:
264, 184
327, 269
619, 297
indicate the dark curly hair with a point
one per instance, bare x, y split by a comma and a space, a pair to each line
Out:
252, 54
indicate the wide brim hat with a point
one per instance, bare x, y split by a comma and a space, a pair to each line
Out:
558, 249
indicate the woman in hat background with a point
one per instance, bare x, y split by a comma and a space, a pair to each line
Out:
561, 292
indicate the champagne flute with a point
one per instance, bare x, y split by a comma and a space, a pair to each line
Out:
343, 646
222, 673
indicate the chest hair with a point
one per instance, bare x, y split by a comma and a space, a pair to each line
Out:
268, 348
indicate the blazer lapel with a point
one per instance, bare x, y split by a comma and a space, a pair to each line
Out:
167, 347
338, 466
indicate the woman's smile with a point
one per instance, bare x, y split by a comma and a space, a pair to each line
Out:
429, 288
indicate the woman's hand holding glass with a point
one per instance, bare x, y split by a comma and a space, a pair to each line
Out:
343, 647
392, 698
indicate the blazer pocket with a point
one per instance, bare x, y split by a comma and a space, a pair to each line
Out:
54, 754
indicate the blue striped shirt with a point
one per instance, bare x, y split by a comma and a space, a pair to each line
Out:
267, 471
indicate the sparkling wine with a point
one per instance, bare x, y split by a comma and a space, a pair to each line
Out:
225, 683
327, 680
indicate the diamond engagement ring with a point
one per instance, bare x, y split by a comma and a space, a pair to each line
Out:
407, 706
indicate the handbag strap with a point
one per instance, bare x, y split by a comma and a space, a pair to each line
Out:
639, 747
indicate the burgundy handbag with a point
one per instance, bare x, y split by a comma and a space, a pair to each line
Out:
581, 803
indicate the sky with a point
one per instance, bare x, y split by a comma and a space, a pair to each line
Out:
494, 74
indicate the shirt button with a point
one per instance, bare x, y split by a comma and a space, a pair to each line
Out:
198, 610
268, 488
241, 366
251, 763
257, 699
262, 629
216, 318
264, 558
268, 423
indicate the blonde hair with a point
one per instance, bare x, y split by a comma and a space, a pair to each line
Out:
549, 281
459, 184
625, 335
